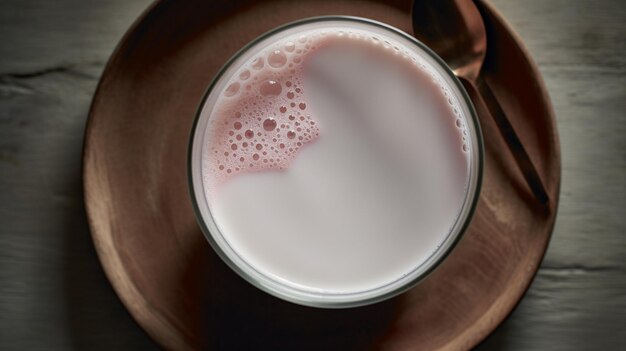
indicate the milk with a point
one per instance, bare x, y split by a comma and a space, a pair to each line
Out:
335, 160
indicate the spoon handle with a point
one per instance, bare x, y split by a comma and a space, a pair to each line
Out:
483, 95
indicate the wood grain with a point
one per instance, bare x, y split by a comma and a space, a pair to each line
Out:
54, 295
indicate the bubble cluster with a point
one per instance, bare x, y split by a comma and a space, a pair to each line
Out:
262, 118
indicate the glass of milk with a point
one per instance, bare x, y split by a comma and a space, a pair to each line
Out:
335, 162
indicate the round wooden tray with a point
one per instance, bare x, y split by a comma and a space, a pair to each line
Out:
176, 287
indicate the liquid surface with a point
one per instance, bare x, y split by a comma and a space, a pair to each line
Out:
335, 161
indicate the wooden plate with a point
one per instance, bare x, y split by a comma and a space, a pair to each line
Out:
167, 275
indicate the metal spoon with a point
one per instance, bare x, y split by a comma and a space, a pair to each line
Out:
454, 29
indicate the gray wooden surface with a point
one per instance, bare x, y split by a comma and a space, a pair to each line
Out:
53, 292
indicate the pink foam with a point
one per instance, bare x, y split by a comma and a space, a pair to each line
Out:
261, 120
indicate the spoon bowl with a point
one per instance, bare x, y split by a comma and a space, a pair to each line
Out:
460, 40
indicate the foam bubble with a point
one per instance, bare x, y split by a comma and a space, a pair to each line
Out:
232, 89
290, 46
258, 63
277, 59
269, 125
270, 87
244, 75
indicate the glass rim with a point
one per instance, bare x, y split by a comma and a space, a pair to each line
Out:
352, 299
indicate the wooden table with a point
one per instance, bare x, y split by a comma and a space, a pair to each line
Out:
53, 292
